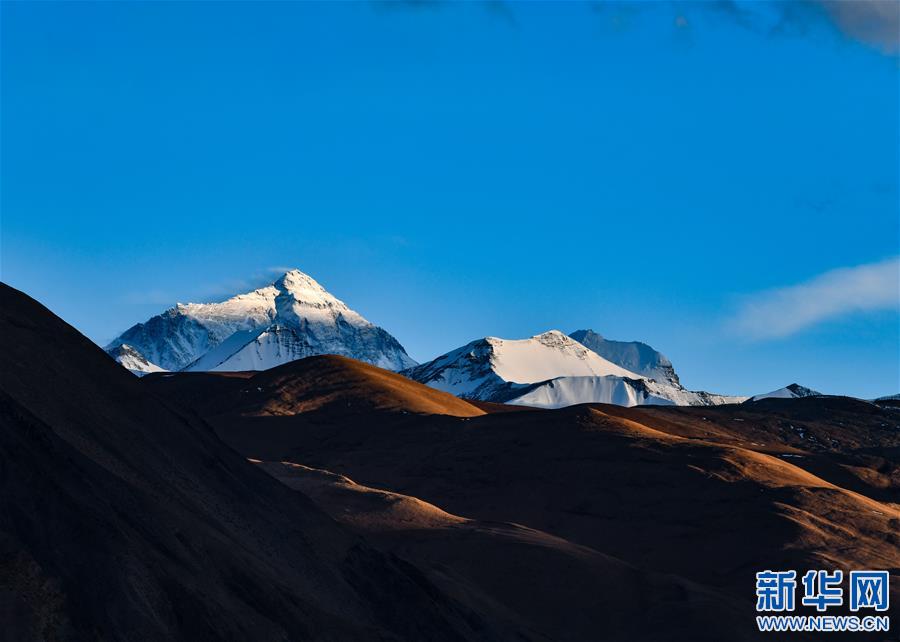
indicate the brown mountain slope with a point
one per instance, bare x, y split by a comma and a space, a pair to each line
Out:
852, 443
709, 494
327, 381
562, 591
121, 518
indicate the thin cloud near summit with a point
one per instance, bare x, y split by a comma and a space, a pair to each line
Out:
782, 312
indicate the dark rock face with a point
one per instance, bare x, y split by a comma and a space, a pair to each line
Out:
631, 355
170, 340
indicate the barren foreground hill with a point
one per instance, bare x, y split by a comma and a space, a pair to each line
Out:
330, 500
707, 495
123, 518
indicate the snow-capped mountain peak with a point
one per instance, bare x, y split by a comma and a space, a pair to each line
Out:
548, 370
301, 297
792, 391
304, 288
296, 281
292, 318
491, 368
561, 341
547, 355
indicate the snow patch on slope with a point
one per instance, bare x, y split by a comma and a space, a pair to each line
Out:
547, 355
567, 391
130, 358
273, 346
222, 352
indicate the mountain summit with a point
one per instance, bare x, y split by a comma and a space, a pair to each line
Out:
494, 369
791, 391
292, 318
552, 370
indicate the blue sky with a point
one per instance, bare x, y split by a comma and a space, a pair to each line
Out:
690, 175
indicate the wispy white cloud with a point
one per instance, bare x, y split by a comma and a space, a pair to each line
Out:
259, 279
210, 291
279, 270
784, 311
875, 23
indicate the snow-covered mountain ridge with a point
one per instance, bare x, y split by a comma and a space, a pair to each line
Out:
548, 370
295, 317
489, 368
792, 391
292, 318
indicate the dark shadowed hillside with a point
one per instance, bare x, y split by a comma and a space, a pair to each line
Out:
121, 518
710, 495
